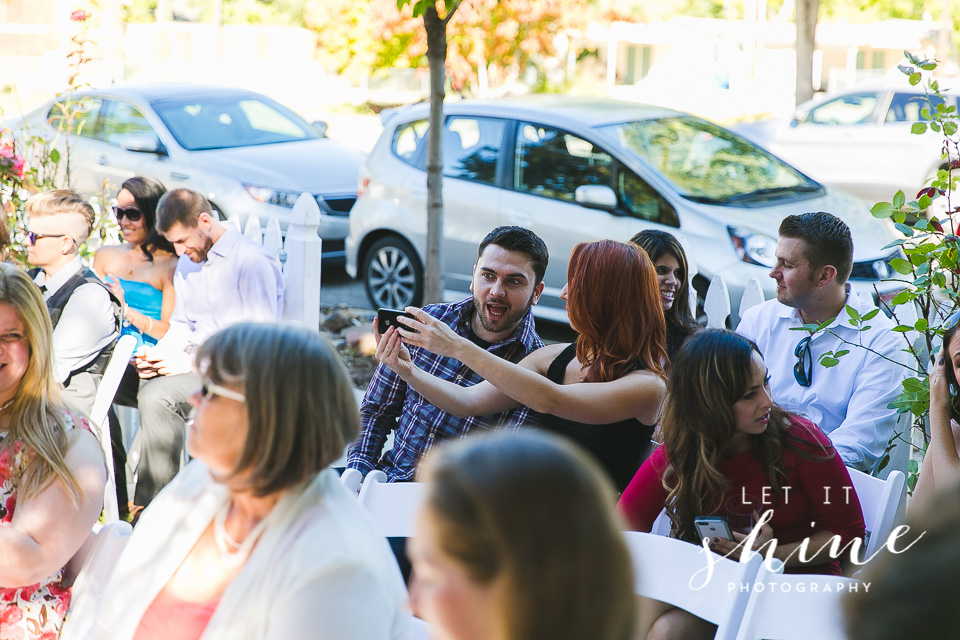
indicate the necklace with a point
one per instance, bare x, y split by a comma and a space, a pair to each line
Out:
232, 553
6, 405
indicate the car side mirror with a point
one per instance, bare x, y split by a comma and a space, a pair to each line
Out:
596, 196
320, 127
144, 144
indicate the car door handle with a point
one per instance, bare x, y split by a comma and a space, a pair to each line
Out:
103, 161
179, 176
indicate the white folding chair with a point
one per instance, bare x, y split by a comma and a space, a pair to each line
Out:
716, 304
752, 296
109, 383
881, 501
674, 572
92, 566
351, 479
419, 630
795, 607
393, 505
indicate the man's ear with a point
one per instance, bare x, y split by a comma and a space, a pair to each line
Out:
206, 220
828, 274
473, 274
537, 292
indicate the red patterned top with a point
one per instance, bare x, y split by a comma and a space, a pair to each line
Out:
36, 611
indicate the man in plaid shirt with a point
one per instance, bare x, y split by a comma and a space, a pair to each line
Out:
507, 282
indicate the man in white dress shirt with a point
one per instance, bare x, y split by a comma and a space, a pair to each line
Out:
221, 278
849, 400
85, 315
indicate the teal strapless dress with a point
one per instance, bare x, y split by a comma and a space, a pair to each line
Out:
146, 299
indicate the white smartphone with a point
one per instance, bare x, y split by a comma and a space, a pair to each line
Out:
711, 527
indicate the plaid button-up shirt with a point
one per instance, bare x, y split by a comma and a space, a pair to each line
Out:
391, 405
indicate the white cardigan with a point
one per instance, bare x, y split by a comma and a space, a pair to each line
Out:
320, 570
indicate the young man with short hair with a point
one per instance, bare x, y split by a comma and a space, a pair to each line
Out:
848, 401
86, 316
507, 282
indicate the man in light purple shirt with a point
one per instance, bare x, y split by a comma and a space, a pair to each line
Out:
222, 278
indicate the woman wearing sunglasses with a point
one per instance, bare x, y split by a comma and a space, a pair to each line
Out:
140, 271
257, 538
727, 445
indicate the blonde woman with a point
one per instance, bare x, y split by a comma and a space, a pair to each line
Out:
256, 538
52, 473
518, 540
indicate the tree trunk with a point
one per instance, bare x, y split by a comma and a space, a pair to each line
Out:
806, 33
436, 58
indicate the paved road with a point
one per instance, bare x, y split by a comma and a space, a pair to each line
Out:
337, 288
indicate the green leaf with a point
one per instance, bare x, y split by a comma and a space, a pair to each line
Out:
828, 362
902, 328
871, 314
904, 229
881, 210
928, 65
923, 269
912, 58
925, 114
901, 266
913, 466
924, 201
899, 217
883, 462
934, 86
914, 78
55, 155
853, 313
895, 243
912, 481
921, 324
843, 352
949, 127
917, 258
918, 127
899, 200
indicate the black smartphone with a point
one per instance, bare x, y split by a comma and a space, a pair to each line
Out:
711, 527
387, 318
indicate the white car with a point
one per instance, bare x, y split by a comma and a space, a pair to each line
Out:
859, 140
575, 170
248, 154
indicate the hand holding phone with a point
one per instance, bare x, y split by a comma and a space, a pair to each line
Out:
387, 318
711, 527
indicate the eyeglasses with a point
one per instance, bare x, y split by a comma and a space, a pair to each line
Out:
132, 213
33, 236
210, 389
803, 370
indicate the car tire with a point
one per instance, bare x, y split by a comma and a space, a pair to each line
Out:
392, 274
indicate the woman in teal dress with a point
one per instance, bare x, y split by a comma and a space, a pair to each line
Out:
140, 271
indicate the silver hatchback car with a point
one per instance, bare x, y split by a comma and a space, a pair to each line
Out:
248, 154
575, 170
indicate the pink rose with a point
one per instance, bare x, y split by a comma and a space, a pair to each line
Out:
79, 15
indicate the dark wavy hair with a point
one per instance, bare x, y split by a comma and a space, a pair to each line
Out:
614, 303
711, 373
680, 322
146, 192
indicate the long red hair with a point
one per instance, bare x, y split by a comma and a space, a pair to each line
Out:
613, 301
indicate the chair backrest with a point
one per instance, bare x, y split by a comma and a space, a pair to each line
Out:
393, 505
795, 607
716, 304
880, 501
351, 479
674, 572
752, 295
112, 375
92, 565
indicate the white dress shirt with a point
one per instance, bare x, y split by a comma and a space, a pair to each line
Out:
238, 282
848, 401
87, 323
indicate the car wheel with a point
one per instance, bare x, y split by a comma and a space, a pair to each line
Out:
392, 274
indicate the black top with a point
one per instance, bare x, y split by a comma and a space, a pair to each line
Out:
619, 447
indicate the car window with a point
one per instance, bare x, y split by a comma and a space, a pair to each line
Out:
408, 139
640, 199
709, 164
471, 148
81, 114
123, 122
907, 107
856, 108
226, 122
553, 163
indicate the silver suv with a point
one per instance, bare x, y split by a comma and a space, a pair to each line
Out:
576, 169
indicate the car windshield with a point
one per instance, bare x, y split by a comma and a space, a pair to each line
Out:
707, 163
226, 122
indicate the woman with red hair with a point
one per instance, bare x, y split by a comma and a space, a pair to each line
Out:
604, 391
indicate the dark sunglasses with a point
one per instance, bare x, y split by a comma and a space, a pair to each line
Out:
803, 370
33, 236
133, 214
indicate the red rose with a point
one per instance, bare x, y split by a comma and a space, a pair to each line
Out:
79, 15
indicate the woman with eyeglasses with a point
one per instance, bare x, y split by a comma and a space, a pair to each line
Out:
941, 463
728, 450
52, 472
140, 271
670, 261
256, 538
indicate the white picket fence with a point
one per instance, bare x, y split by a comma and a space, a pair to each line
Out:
299, 254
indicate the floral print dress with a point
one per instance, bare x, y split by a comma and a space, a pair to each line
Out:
34, 612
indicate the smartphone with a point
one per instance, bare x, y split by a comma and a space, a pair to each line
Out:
711, 527
387, 318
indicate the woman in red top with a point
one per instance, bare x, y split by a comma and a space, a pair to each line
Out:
723, 439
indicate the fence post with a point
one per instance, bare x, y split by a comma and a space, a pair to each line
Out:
302, 268
252, 230
717, 303
273, 239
